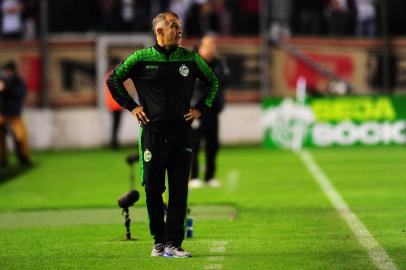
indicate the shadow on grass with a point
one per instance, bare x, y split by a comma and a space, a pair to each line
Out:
10, 172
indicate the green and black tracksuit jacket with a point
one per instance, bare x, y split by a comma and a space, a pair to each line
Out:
164, 80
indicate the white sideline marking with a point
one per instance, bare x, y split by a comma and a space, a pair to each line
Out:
213, 266
215, 258
220, 243
214, 262
218, 249
378, 255
232, 180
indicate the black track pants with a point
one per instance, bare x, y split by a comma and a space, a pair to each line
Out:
160, 155
207, 132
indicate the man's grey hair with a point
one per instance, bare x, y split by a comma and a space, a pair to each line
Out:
162, 18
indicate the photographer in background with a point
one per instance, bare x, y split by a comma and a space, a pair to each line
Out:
12, 96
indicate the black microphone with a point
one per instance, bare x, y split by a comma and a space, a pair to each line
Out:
128, 199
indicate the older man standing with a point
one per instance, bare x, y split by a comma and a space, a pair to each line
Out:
164, 76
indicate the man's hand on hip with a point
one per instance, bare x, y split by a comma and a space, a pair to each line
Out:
140, 114
192, 114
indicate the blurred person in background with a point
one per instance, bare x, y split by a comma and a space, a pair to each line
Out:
308, 16
215, 17
239, 17
366, 15
192, 19
164, 76
73, 16
30, 18
127, 9
159, 5
125, 15
250, 16
206, 129
203, 16
281, 12
12, 25
109, 15
182, 8
340, 17
12, 96
114, 109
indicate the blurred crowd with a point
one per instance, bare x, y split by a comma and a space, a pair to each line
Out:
20, 18
323, 18
224, 17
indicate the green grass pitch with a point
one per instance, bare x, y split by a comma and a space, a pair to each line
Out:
268, 214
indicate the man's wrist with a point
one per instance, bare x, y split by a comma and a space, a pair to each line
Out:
131, 105
202, 108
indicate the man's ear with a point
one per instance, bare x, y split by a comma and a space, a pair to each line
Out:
159, 31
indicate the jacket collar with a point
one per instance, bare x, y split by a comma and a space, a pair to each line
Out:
165, 51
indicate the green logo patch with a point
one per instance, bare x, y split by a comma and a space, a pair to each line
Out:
184, 70
147, 155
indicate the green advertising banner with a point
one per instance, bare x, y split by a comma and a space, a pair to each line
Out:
334, 121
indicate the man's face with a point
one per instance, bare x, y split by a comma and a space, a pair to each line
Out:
171, 32
208, 48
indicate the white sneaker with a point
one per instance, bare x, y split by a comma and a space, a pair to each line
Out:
158, 250
214, 183
176, 252
195, 183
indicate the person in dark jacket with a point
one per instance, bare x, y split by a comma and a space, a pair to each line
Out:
164, 76
114, 108
207, 129
12, 96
